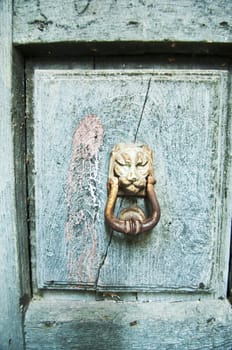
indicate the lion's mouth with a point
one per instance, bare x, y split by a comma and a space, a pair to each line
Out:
133, 187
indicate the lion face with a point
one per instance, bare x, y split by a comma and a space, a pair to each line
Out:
131, 163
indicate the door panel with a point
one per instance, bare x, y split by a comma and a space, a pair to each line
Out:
78, 116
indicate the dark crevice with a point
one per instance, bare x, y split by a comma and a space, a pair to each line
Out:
27, 175
121, 201
143, 108
107, 248
103, 259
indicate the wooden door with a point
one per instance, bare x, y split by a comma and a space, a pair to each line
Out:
81, 85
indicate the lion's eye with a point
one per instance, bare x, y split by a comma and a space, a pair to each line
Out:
141, 164
123, 160
123, 163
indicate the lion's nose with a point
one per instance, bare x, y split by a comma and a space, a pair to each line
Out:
132, 175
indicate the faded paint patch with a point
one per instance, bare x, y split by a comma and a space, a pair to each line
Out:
82, 200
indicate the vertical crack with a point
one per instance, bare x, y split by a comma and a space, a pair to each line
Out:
120, 205
143, 108
107, 248
27, 175
103, 259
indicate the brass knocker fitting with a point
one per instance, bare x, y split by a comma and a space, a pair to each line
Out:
131, 174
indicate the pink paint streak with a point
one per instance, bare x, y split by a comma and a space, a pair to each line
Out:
87, 140
82, 201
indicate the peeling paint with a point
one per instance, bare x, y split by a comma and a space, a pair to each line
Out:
82, 199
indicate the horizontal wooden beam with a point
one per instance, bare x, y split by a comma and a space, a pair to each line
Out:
133, 21
125, 48
61, 324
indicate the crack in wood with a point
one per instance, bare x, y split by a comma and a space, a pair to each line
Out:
103, 260
108, 246
143, 108
120, 205
107, 249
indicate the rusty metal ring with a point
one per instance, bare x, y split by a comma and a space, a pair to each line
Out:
132, 226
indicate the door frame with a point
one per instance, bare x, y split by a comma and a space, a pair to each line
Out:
214, 316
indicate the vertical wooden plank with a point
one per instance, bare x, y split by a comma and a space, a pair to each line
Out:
228, 179
20, 160
14, 291
230, 273
63, 188
32, 65
184, 121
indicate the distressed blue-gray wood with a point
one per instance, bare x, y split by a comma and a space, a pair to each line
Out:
66, 325
20, 163
185, 62
78, 63
184, 121
114, 21
14, 277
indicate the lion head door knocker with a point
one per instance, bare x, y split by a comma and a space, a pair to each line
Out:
131, 174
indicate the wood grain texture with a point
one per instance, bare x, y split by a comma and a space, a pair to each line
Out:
179, 163
144, 21
20, 162
14, 291
228, 187
143, 326
77, 63
70, 189
80, 63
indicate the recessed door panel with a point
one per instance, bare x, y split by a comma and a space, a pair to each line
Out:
78, 117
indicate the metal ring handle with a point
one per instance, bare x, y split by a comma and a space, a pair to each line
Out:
133, 226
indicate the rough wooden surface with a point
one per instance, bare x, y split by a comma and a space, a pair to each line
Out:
143, 326
20, 162
53, 323
228, 176
73, 246
77, 63
13, 240
136, 20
